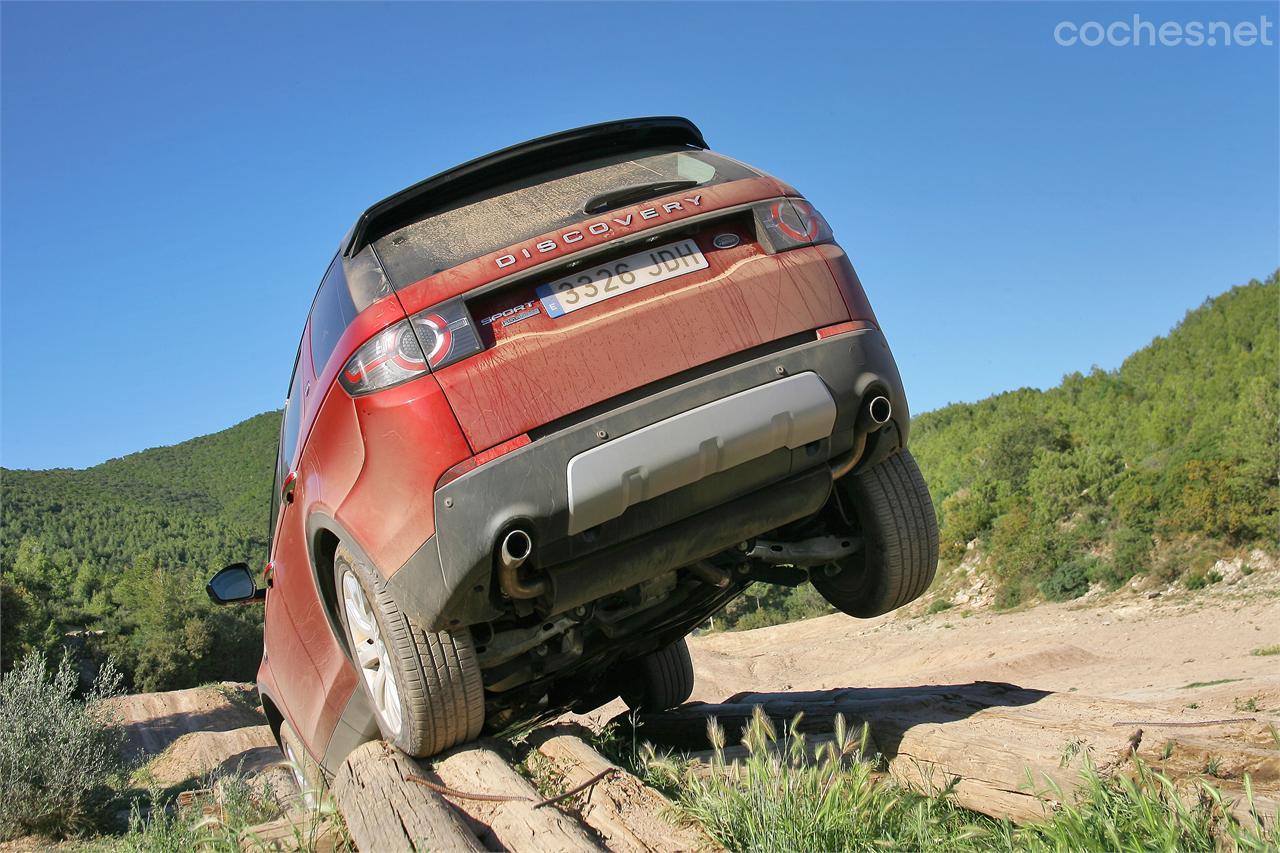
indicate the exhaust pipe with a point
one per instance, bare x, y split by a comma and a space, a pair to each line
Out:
879, 410
513, 551
874, 414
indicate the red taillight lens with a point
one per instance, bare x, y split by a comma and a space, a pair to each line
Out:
446, 333
428, 340
789, 223
388, 358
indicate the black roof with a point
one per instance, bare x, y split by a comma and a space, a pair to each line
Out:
526, 158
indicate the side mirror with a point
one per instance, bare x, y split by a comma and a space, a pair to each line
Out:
234, 585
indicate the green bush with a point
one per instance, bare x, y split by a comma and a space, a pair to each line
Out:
60, 756
1130, 555
1069, 580
1200, 580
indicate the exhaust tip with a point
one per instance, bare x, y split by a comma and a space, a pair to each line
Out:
879, 410
516, 547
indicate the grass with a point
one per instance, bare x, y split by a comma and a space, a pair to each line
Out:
1266, 651
1213, 683
219, 817
779, 799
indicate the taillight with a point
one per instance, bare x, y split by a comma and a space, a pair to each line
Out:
429, 339
789, 223
388, 358
446, 333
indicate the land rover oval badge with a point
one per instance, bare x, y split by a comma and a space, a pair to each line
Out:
725, 241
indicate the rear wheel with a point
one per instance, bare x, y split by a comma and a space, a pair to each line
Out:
890, 505
660, 681
424, 687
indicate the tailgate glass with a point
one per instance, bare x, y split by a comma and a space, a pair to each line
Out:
502, 215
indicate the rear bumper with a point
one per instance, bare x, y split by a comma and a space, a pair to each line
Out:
705, 446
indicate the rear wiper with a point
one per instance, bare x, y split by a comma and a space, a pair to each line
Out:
636, 192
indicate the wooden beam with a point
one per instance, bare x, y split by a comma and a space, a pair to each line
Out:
630, 816
384, 811
515, 822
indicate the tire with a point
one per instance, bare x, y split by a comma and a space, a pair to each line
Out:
664, 679
306, 771
899, 529
436, 697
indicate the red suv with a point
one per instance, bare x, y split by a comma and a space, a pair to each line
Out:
552, 409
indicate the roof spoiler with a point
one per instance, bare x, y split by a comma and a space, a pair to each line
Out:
520, 160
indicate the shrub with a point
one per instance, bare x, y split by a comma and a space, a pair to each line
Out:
938, 606
1068, 580
1199, 580
1130, 555
964, 516
60, 756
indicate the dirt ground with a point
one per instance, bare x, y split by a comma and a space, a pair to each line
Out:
182, 734
1167, 651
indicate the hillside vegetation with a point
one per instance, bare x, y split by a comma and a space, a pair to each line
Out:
124, 548
1158, 467
1155, 467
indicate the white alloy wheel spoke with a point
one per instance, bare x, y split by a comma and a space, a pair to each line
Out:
371, 654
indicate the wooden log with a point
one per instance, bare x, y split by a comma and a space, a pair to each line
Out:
384, 811
628, 815
515, 823
1004, 745
295, 831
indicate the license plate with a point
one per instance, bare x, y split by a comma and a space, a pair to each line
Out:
624, 275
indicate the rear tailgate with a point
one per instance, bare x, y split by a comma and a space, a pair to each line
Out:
540, 365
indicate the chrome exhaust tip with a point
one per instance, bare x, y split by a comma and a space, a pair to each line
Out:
515, 549
879, 410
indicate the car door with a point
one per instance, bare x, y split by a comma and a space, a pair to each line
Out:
294, 600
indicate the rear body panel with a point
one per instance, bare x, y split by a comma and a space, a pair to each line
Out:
543, 369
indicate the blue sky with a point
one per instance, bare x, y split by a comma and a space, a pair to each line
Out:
177, 176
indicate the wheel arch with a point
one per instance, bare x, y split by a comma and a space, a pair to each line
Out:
324, 535
275, 718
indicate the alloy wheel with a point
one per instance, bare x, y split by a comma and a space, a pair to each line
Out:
371, 655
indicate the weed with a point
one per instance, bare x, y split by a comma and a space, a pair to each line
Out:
781, 798
1074, 747
1250, 704
1213, 683
1167, 752
1266, 651
939, 605
219, 818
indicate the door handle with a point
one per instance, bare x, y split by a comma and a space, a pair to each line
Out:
290, 483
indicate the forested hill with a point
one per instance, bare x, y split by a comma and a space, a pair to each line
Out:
1158, 466
201, 503
124, 549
